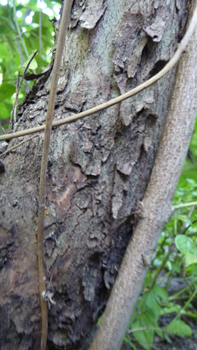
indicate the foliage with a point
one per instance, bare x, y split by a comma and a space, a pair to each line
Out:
176, 259
18, 39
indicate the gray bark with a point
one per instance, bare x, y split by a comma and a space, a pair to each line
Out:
156, 205
98, 169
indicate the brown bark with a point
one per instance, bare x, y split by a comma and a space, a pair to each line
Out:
98, 169
156, 204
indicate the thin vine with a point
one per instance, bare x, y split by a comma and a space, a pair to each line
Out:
42, 191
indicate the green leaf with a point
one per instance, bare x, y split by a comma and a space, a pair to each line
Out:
161, 292
192, 315
128, 340
170, 309
45, 19
179, 327
3, 28
187, 247
167, 338
33, 64
176, 267
6, 20
153, 304
6, 91
5, 110
192, 270
147, 280
32, 4
145, 338
99, 321
183, 218
145, 319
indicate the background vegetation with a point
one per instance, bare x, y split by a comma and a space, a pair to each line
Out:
24, 28
167, 305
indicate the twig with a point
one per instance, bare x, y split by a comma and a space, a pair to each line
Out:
40, 31
175, 58
188, 302
162, 329
184, 205
19, 86
182, 229
18, 29
15, 103
13, 113
174, 296
2, 129
50, 111
18, 144
161, 266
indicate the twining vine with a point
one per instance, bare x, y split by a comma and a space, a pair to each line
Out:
42, 188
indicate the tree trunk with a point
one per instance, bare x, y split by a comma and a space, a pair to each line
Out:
98, 169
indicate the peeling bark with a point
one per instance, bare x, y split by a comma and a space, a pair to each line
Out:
98, 169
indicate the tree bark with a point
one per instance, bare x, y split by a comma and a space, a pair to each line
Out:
156, 204
98, 169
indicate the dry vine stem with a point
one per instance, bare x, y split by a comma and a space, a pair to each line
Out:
40, 231
175, 58
156, 202
19, 86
